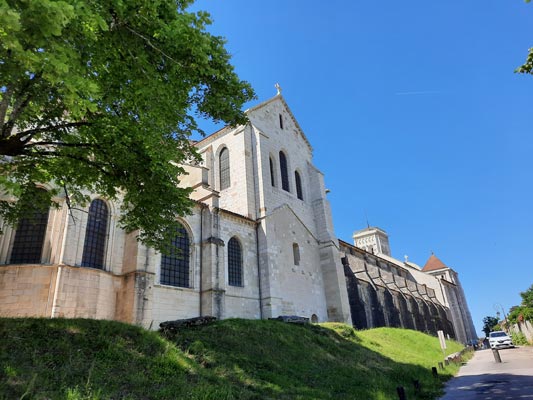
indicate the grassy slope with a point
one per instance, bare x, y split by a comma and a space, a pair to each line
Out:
232, 359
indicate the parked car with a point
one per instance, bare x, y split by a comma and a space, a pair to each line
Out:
498, 339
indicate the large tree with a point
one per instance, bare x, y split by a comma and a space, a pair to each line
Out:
101, 96
525, 310
489, 323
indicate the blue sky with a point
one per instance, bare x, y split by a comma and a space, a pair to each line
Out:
416, 119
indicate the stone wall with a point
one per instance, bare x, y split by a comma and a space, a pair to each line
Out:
524, 327
27, 291
380, 294
60, 291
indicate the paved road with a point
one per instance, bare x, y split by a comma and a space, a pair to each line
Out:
483, 378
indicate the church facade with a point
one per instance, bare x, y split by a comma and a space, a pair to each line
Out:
259, 243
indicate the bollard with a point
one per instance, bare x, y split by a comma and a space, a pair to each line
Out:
496, 355
401, 393
441, 365
446, 362
434, 372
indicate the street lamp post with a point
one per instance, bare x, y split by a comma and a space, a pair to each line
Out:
497, 307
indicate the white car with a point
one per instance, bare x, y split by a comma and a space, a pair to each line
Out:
499, 339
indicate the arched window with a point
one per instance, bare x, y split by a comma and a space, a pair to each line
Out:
29, 239
224, 169
296, 253
175, 265
272, 173
234, 262
95, 235
298, 180
284, 171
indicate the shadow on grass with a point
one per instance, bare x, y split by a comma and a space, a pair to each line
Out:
231, 359
55, 359
276, 360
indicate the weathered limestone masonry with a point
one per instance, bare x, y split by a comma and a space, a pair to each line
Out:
259, 243
388, 297
396, 293
297, 253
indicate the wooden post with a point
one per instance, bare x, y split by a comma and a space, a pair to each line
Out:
434, 372
401, 393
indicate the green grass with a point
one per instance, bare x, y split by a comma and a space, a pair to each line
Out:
231, 359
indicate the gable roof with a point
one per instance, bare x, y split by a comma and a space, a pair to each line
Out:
282, 99
229, 128
433, 264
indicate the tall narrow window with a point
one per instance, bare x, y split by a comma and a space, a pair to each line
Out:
296, 253
272, 179
95, 235
29, 239
298, 180
175, 265
281, 121
234, 263
224, 169
284, 171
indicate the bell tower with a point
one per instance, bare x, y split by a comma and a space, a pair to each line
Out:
373, 240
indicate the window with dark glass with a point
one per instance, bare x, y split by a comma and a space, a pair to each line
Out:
298, 180
95, 235
272, 176
175, 265
296, 253
29, 239
281, 121
234, 262
224, 169
284, 171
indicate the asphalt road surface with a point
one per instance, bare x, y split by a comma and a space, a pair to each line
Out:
483, 378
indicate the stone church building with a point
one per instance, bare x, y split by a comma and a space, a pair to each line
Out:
259, 243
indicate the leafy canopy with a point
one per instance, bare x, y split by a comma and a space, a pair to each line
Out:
527, 297
100, 96
525, 310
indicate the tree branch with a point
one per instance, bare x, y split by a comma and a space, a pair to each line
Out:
152, 45
45, 153
63, 144
49, 128
19, 105
6, 98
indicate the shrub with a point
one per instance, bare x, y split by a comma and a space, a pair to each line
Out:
519, 338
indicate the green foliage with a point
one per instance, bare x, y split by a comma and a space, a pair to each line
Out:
520, 314
524, 312
527, 67
231, 359
519, 339
101, 96
527, 297
489, 324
